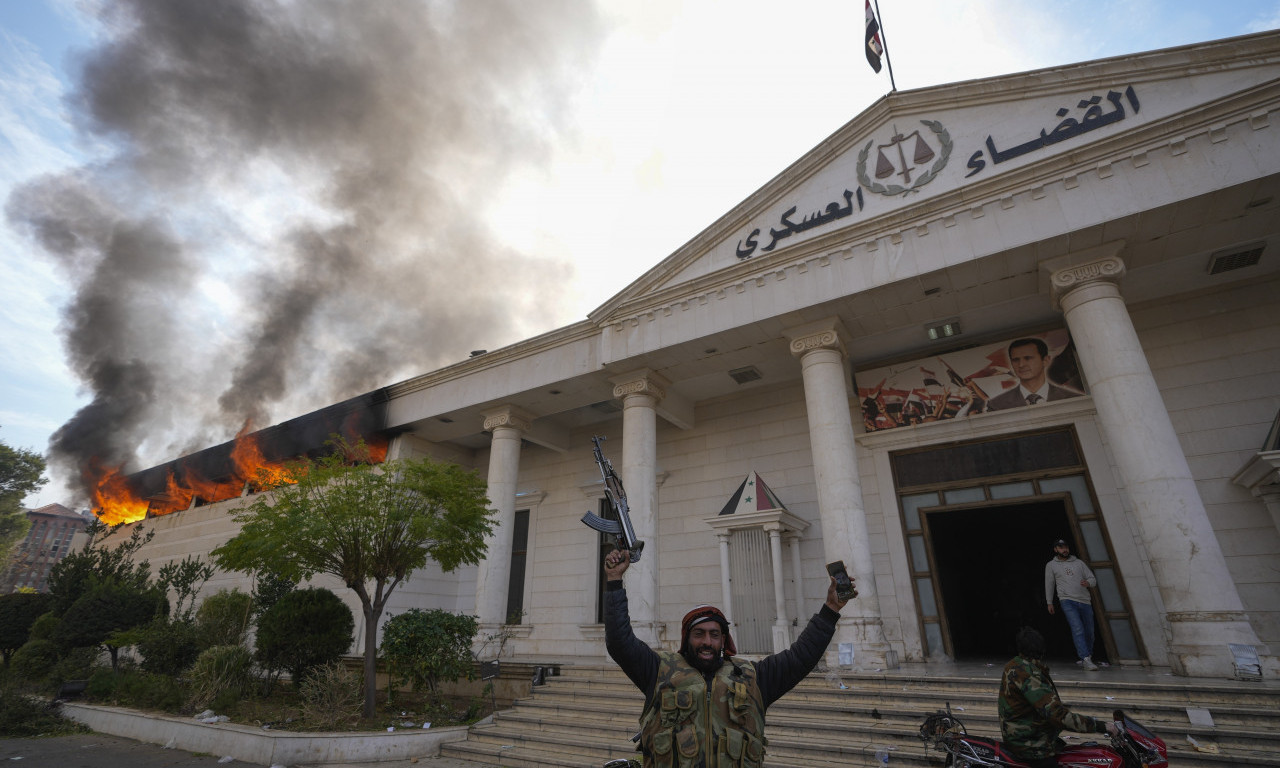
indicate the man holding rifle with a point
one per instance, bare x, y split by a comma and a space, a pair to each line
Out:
702, 706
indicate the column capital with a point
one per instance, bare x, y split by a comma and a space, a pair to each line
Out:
1073, 270
828, 333
643, 381
507, 416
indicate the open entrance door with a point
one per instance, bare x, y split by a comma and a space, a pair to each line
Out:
990, 567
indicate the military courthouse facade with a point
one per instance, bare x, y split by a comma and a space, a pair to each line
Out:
847, 337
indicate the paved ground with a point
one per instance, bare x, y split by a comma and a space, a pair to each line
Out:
96, 750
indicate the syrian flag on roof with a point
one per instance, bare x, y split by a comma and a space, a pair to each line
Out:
874, 47
752, 496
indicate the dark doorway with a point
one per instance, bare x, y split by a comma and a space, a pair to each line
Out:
990, 569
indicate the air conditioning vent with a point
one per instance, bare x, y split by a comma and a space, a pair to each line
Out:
607, 406
1225, 261
743, 375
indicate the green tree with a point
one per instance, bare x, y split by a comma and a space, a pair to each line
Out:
185, 577
305, 629
370, 526
21, 474
424, 648
18, 612
223, 618
74, 574
268, 588
104, 614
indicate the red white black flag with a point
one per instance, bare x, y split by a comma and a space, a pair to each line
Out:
874, 48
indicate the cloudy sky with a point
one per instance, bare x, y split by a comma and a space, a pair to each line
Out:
241, 211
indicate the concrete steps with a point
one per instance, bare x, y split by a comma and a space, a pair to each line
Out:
588, 714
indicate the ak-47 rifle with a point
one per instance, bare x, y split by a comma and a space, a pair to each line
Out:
621, 528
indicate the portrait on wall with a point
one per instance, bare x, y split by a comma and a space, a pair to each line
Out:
1017, 373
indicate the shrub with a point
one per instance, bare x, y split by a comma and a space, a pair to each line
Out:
18, 612
424, 648
108, 608
102, 684
268, 588
74, 664
148, 690
223, 618
170, 646
47, 627
306, 628
221, 674
24, 716
35, 660
331, 695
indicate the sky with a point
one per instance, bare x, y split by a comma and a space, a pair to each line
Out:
231, 213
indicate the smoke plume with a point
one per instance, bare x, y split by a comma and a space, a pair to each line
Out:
286, 214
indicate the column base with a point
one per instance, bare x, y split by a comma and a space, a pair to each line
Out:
871, 651
1200, 645
865, 659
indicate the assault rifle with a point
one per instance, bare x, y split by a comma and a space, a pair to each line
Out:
621, 528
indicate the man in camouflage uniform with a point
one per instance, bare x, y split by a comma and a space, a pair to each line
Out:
703, 708
1031, 714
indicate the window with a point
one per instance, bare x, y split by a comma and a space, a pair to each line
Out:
606, 546
519, 557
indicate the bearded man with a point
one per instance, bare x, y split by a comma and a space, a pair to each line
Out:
703, 707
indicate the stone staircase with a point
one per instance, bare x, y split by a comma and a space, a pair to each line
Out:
588, 713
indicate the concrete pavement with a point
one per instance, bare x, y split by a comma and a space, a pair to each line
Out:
97, 750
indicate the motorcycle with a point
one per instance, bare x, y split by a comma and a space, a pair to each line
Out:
1132, 747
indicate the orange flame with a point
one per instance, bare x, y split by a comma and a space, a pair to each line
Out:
114, 501
252, 467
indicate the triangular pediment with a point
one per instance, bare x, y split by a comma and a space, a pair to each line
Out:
913, 154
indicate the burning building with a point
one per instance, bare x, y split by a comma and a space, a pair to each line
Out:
1055, 321
228, 471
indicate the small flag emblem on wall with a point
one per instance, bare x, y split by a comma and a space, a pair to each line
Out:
752, 496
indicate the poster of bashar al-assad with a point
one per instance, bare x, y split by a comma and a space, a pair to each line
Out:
1016, 373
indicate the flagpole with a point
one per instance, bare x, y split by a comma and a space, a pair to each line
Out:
884, 41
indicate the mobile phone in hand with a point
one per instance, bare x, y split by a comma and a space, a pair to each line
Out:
844, 586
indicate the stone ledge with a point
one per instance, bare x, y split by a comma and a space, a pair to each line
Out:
254, 745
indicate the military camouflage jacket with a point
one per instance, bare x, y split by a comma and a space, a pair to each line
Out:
1032, 715
774, 675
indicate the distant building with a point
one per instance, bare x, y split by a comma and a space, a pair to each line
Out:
53, 527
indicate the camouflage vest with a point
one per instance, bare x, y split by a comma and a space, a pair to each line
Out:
688, 726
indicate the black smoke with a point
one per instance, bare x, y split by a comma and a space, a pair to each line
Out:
201, 299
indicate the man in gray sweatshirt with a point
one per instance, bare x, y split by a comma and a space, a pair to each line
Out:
1072, 579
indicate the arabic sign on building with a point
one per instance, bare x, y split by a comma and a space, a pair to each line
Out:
1016, 373
902, 157
1091, 119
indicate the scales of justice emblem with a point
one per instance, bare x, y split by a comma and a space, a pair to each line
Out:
892, 159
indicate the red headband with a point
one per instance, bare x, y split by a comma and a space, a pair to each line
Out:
706, 613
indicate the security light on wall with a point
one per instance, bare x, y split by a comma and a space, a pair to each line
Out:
944, 330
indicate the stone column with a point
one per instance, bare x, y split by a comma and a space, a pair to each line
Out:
1203, 608
726, 583
493, 577
640, 392
821, 351
781, 624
